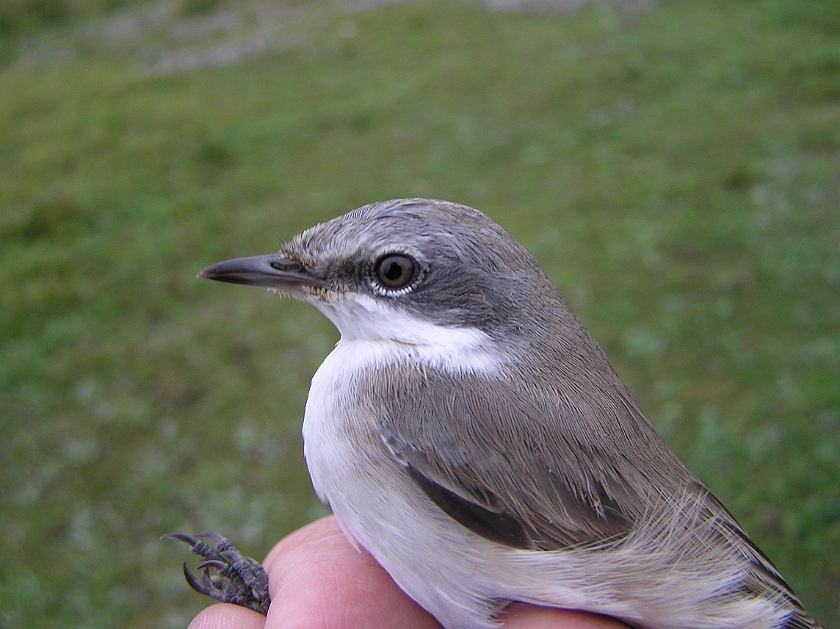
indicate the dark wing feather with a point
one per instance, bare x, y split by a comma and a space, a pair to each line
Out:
519, 466
497, 526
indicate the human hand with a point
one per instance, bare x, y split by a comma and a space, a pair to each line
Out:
319, 581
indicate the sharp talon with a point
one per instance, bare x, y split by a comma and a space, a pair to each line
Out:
181, 537
194, 584
237, 579
207, 583
211, 563
217, 539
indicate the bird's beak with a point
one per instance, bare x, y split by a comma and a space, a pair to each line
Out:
271, 271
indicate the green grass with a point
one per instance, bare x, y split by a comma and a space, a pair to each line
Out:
676, 171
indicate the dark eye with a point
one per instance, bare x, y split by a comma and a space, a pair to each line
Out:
395, 270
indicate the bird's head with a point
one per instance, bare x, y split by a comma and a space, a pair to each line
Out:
387, 269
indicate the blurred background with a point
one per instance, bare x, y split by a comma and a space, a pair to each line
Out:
673, 165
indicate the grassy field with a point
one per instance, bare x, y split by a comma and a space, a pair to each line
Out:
675, 168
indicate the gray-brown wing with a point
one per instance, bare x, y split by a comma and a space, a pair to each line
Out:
522, 467
543, 470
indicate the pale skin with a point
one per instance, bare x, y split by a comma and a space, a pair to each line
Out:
319, 581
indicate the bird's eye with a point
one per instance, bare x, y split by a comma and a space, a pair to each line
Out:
395, 270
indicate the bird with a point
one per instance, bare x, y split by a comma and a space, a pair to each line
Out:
469, 432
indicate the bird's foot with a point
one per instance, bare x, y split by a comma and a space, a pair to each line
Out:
235, 578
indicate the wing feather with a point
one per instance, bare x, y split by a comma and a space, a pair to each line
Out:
538, 469
514, 465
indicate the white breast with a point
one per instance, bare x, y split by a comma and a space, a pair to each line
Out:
340, 432
375, 502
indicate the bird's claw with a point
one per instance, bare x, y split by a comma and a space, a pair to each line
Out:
236, 579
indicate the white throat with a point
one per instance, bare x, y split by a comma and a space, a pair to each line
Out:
380, 333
